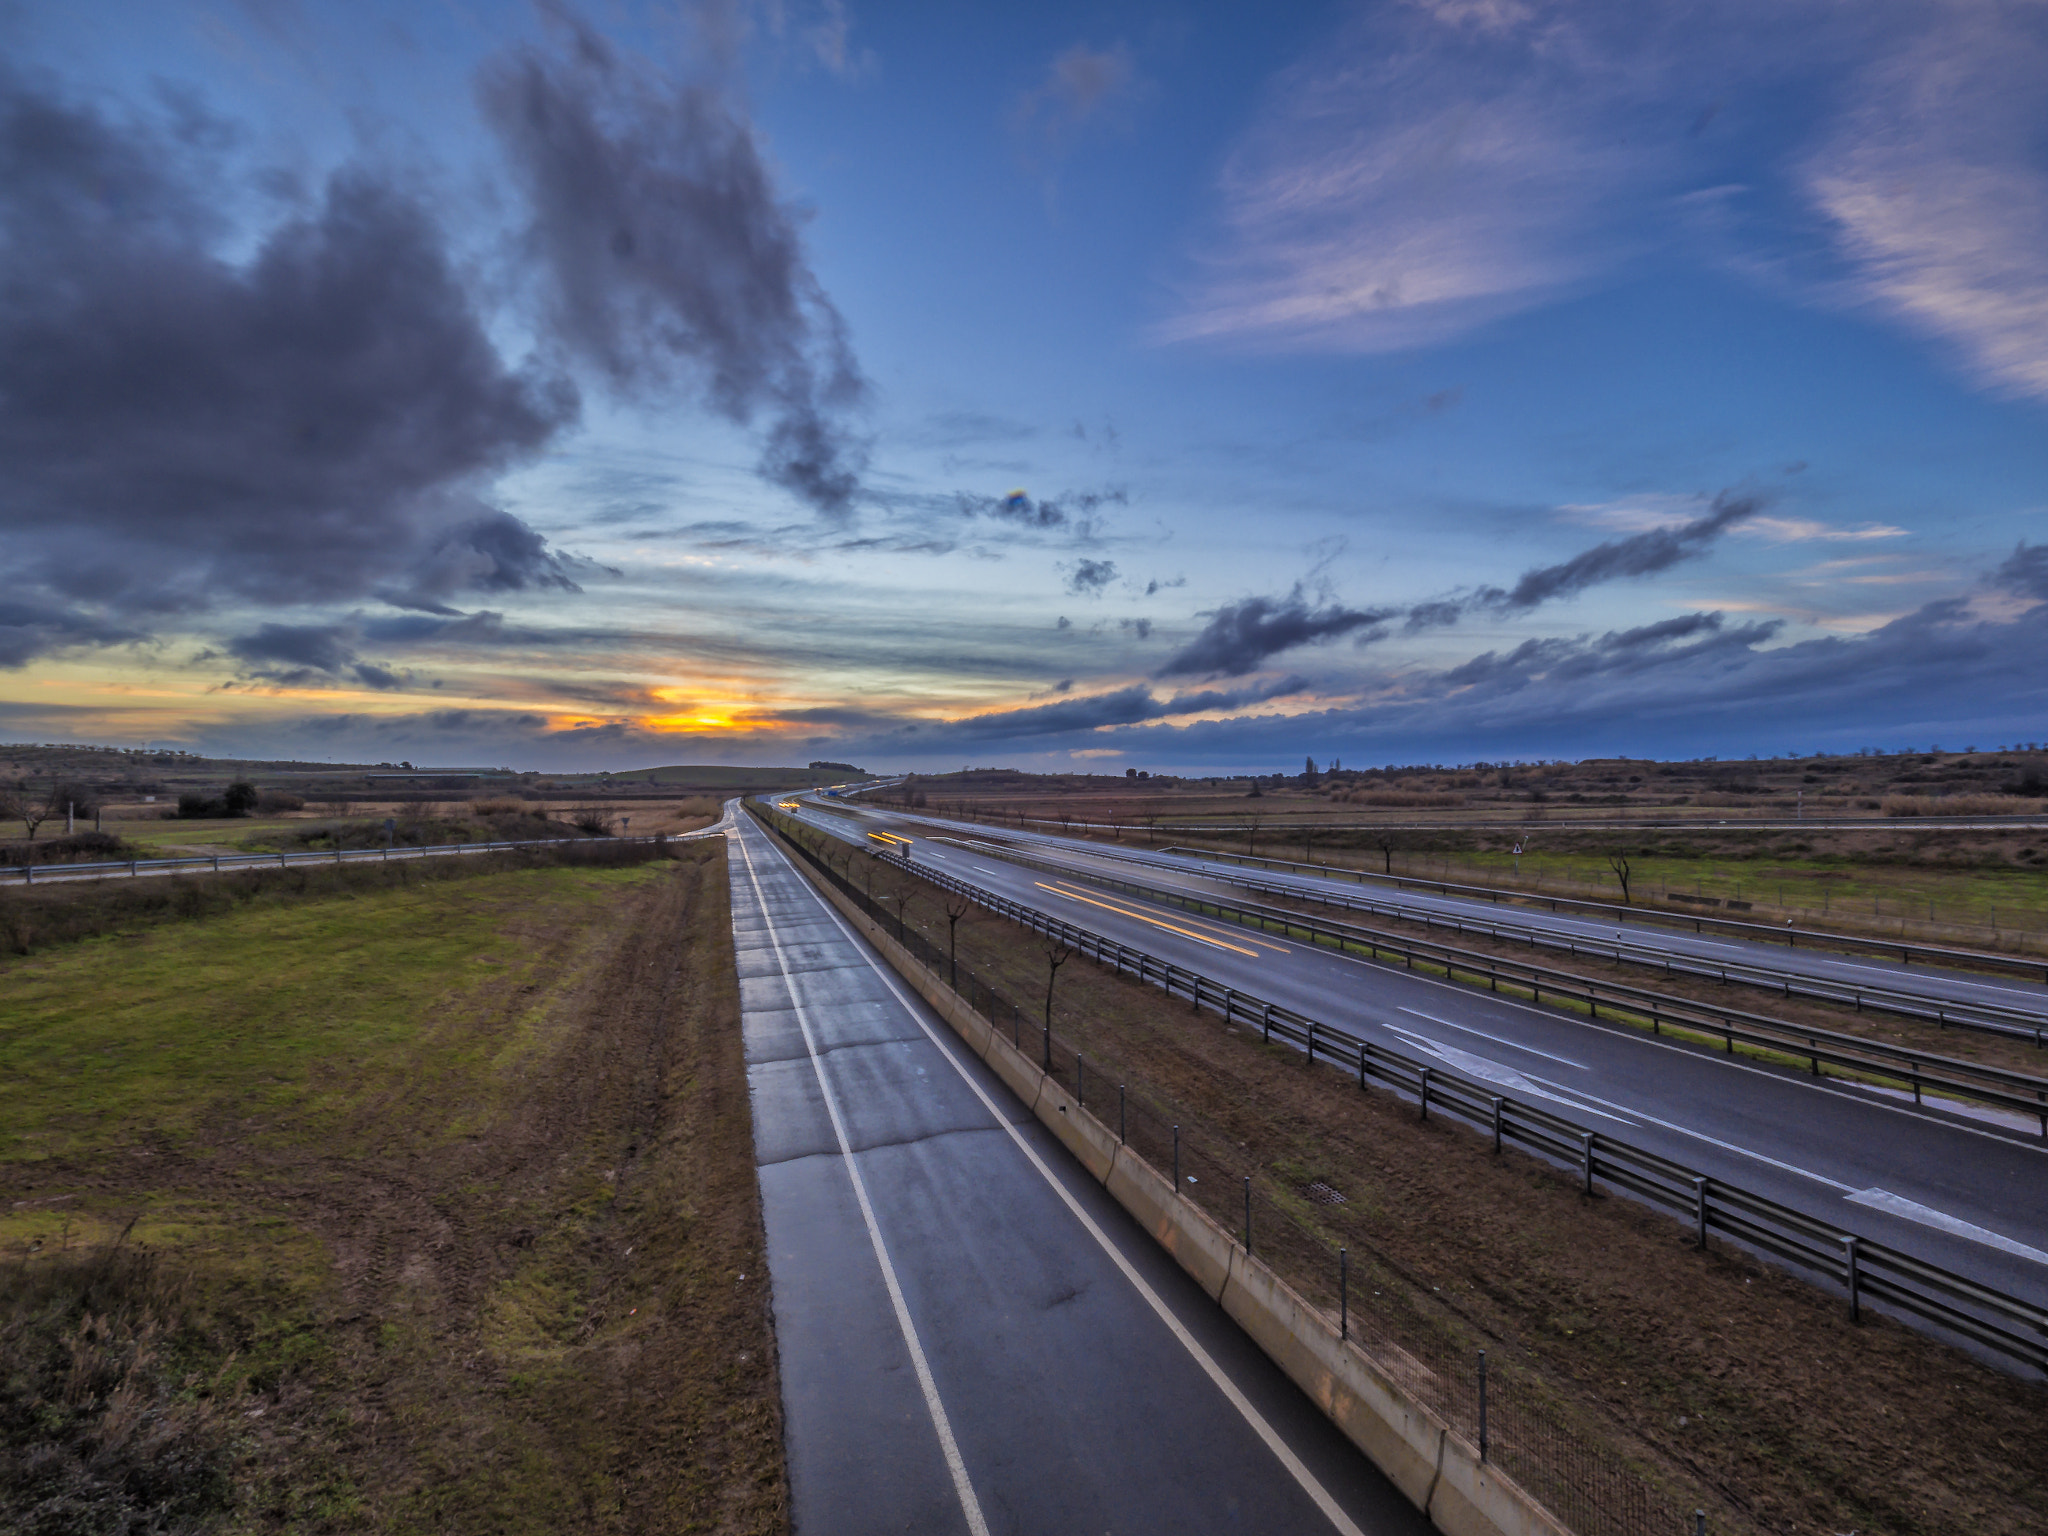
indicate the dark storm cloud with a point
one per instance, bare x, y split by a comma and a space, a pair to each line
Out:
1071, 509
180, 429
1239, 638
298, 655
669, 260
2025, 571
1089, 577
1074, 716
30, 628
1641, 554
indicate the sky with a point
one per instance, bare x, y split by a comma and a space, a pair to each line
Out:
1191, 388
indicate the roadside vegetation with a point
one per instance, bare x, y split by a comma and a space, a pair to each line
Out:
1725, 1380
419, 1203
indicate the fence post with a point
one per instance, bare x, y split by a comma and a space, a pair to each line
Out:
1176, 1162
1247, 1215
1343, 1294
1424, 1095
1482, 1405
1855, 1277
1587, 1157
1699, 1522
1496, 1123
1120, 1114
1699, 1208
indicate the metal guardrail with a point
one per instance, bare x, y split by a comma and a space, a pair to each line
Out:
2013, 1023
1920, 1072
1436, 1349
1868, 1270
1927, 954
221, 862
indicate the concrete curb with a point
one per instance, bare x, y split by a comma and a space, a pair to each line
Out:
1420, 1455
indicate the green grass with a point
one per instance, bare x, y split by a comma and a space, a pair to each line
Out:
289, 1016
230, 832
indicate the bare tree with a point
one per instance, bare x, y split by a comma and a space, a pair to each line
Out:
19, 802
1056, 955
957, 907
1385, 843
1618, 862
1252, 838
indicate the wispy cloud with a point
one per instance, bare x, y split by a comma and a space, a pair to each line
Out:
1431, 169
1938, 194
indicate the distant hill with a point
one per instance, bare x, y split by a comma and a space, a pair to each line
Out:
714, 776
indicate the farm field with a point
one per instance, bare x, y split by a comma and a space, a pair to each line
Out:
401, 1208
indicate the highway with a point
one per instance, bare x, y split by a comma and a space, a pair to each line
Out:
2011, 998
972, 1335
1972, 1197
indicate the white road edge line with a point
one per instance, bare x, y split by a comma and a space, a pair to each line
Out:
1282, 1452
970, 1506
1928, 1216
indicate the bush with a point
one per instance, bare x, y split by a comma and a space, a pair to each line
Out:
82, 848
273, 800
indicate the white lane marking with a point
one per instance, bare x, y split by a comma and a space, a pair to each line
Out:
969, 1505
1498, 1039
1282, 1451
1712, 1141
1928, 1216
1493, 1072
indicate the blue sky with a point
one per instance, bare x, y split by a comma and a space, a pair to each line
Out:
1165, 386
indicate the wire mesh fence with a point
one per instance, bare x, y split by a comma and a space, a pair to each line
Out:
1478, 1386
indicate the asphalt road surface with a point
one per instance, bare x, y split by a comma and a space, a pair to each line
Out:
1934, 985
972, 1335
1965, 1192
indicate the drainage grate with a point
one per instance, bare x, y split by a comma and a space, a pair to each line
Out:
1322, 1194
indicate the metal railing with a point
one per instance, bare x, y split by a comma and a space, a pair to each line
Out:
1468, 1378
1918, 1072
1927, 954
220, 862
2013, 1329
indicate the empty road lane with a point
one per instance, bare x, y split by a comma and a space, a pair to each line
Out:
972, 1335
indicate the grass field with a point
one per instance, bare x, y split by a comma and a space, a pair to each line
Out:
428, 1208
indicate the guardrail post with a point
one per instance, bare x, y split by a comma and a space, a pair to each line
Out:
1699, 1211
1586, 1158
1424, 1095
1855, 1278
1267, 1025
1311, 1042
1482, 1405
1497, 1101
